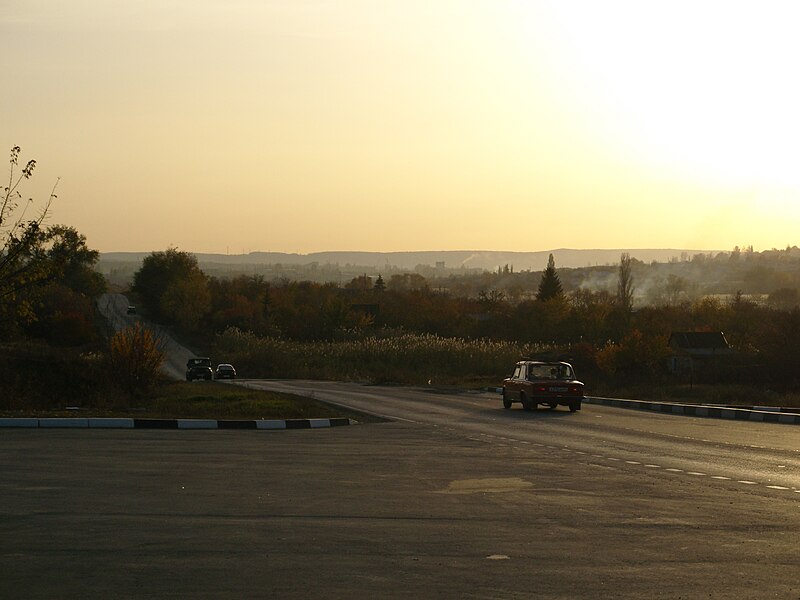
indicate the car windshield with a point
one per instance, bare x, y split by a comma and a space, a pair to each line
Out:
199, 362
550, 371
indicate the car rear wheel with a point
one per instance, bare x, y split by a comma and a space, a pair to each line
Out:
506, 400
573, 407
526, 404
552, 405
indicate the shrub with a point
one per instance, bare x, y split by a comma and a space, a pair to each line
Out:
635, 357
38, 377
133, 361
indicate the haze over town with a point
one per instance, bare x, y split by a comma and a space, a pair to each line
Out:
307, 126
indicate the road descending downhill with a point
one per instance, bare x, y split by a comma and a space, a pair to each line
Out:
114, 308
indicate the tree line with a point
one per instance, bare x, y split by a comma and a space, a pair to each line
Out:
48, 286
608, 334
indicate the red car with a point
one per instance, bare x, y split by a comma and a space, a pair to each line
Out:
549, 383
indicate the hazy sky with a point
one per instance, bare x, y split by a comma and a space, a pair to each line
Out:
390, 125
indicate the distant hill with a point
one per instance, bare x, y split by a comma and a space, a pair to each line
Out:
452, 259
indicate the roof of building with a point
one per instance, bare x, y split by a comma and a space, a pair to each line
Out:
699, 340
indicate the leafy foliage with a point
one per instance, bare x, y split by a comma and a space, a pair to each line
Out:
21, 239
165, 279
134, 359
34, 375
39, 264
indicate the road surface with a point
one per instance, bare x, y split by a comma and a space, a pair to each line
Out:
752, 457
456, 498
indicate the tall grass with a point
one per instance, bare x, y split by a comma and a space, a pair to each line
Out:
402, 358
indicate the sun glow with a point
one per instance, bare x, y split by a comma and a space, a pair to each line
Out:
405, 124
706, 89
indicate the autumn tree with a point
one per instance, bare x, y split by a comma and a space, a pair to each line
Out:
134, 359
590, 315
241, 302
21, 240
162, 272
47, 275
625, 282
186, 300
550, 285
362, 283
784, 298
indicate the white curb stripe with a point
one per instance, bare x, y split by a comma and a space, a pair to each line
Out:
107, 423
55, 422
270, 424
19, 422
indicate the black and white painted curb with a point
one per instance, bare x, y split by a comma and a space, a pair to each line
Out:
763, 414
112, 423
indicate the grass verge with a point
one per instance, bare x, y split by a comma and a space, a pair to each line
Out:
209, 400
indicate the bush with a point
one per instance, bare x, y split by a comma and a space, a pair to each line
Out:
36, 376
636, 357
133, 361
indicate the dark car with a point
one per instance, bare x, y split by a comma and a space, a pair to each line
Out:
548, 383
131, 309
225, 371
199, 368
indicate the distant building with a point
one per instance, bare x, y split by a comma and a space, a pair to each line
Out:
696, 349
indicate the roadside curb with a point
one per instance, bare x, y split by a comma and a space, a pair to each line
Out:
110, 423
694, 410
761, 414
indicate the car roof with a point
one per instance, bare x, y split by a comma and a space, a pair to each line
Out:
543, 362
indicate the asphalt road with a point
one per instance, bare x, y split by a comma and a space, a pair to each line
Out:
457, 498
764, 455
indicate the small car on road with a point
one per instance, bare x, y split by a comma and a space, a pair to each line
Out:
225, 371
199, 368
550, 383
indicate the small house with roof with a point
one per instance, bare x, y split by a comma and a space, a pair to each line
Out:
693, 349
